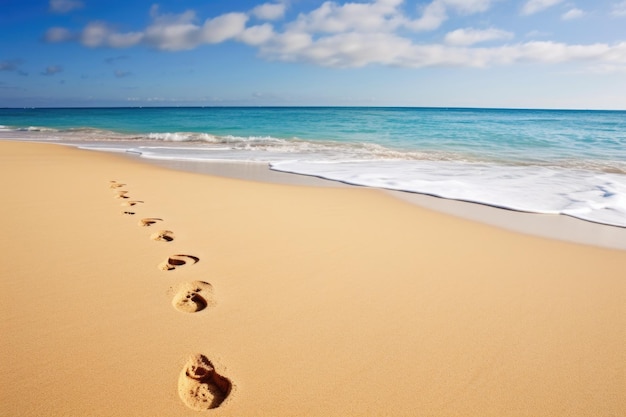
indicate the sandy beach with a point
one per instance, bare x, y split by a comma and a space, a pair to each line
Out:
130, 289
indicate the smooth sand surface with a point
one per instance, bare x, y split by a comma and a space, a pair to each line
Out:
277, 300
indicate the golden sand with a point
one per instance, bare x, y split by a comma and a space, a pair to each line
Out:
277, 300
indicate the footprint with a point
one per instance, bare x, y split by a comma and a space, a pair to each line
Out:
121, 194
130, 213
147, 222
200, 386
115, 184
191, 297
176, 261
163, 236
130, 203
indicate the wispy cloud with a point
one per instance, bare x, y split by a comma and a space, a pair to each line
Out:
65, 6
534, 6
121, 74
9, 65
470, 36
58, 34
573, 14
114, 59
619, 9
12, 66
52, 70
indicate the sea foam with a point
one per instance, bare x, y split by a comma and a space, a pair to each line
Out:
588, 195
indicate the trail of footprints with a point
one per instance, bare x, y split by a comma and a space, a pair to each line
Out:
200, 386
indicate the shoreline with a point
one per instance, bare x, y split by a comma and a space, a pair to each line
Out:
136, 290
550, 226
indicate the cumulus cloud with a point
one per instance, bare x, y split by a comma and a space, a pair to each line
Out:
257, 35
65, 6
534, 6
169, 32
573, 14
330, 17
97, 34
223, 27
340, 50
269, 11
172, 32
52, 70
470, 36
351, 34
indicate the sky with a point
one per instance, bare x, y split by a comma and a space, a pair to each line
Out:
440, 53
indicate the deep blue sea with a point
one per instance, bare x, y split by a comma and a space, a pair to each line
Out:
545, 161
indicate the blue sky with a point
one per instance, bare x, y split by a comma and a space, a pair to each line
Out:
467, 53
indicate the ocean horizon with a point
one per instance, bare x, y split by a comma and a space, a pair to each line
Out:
570, 162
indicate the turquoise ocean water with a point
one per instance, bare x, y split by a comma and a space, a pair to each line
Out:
545, 161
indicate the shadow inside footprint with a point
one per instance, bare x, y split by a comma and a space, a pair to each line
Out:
149, 221
175, 261
130, 213
163, 236
200, 387
130, 203
191, 297
115, 184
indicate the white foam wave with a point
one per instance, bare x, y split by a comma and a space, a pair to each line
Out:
588, 195
36, 129
183, 137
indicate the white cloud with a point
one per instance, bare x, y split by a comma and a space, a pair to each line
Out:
468, 6
257, 35
223, 27
98, 34
341, 50
619, 9
269, 11
95, 34
534, 6
360, 49
352, 35
330, 17
436, 12
172, 32
382, 16
65, 6
573, 14
286, 46
470, 36
433, 16
168, 32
